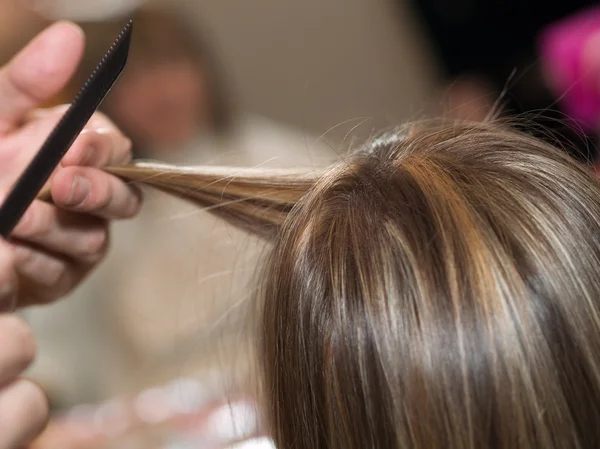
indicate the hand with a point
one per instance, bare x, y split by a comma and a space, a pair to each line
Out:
23, 405
55, 246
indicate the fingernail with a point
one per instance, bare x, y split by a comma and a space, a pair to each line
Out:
21, 253
80, 190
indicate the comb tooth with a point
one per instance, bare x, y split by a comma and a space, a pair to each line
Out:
123, 39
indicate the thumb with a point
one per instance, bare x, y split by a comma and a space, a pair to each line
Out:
39, 71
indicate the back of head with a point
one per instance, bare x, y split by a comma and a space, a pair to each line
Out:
439, 290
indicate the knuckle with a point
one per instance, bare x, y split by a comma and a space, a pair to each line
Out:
134, 204
96, 245
35, 224
44, 269
28, 259
54, 274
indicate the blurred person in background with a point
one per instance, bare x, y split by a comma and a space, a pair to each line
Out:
165, 304
488, 51
173, 91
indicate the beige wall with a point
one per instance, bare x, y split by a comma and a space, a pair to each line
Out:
317, 63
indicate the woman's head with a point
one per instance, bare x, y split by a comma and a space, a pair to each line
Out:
439, 290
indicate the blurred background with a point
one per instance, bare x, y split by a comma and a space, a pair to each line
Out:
156, 348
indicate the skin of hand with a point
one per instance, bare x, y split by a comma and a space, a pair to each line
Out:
56, 245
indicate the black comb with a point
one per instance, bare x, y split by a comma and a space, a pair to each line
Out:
64, 134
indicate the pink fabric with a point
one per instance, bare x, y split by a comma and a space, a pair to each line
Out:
570, 53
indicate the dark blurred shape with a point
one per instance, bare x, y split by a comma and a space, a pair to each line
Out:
173, 86
484, 42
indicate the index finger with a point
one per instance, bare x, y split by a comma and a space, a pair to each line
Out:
39, 71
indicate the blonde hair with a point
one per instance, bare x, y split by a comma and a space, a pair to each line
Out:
438, 289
